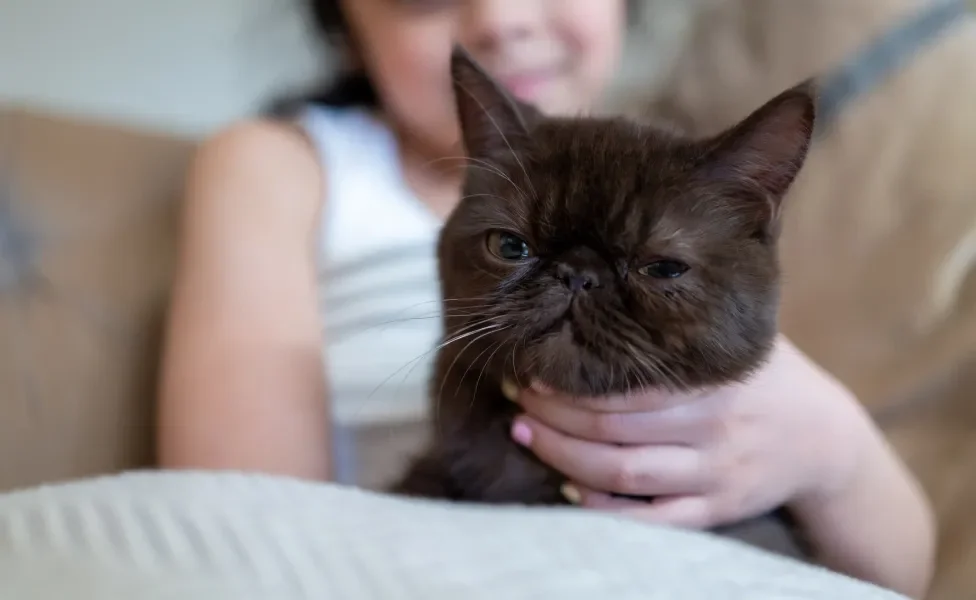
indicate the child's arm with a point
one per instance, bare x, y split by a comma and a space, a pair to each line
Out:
879, 527
242, 384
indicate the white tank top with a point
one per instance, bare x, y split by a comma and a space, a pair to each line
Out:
378, 284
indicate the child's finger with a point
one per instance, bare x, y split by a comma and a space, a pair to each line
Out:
635, 470
689, 512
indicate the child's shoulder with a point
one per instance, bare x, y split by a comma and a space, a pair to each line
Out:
258, 147
257, 162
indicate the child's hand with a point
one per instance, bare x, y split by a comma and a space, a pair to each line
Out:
709, 459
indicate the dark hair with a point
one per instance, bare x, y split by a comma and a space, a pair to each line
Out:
349, 87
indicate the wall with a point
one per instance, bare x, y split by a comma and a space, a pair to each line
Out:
177, 65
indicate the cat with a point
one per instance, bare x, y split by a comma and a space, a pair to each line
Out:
597, 256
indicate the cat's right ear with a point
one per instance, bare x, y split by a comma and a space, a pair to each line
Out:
491, 121
764, 153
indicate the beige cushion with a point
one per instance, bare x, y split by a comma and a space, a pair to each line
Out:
87, 230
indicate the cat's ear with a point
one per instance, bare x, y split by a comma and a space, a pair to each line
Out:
491, 120
762, 155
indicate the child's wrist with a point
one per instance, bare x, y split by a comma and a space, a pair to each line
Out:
848, 468
852, 448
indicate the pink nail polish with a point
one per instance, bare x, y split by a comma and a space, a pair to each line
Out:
521, 433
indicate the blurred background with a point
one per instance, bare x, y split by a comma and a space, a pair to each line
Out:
179, 66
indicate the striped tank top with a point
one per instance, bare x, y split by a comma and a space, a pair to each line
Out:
378, 284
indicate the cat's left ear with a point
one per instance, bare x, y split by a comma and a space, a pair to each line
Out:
491, 121
762, 155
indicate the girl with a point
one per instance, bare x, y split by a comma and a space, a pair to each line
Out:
356, 189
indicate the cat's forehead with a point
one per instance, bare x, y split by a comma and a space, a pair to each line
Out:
607, 159
606, 146
601, 146
607, 178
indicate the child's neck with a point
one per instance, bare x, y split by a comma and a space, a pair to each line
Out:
433, 174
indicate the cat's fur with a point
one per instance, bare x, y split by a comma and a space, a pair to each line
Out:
595, 202
880, 241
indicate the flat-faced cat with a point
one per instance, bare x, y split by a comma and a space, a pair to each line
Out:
597, 256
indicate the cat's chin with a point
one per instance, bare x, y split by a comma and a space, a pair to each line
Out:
570, 367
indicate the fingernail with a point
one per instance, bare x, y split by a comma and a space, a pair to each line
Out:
521, 433
510, 390
571, 493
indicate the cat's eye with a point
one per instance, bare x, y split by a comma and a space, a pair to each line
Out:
664, 269
507, 246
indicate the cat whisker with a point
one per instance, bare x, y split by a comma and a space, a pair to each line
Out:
642, 384
460, 336
653, 367
440, 309
491, 276
437, 403
465, 162
642, 381
490, 320
469, 299
473, 163
669, 377
440, 390
475, 311
520, 340
495, 196
388, 323
646, 357
484, 164
650, 356
437, 348
485, 366
482, 305
459, 158
470, 364
501, 132
520, 191
477, 323
640, 359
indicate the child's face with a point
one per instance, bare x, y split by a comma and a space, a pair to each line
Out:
556, 54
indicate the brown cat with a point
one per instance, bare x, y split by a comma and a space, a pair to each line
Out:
597, 256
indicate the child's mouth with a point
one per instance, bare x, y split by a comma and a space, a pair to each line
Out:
528, 85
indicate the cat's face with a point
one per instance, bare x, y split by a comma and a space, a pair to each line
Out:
599, 256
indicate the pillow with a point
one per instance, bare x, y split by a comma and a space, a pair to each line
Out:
227, 536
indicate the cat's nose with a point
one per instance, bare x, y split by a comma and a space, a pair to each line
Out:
577, 280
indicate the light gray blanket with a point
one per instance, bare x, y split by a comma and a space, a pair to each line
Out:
222, 537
